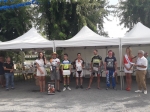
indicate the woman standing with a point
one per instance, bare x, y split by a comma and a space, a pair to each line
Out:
41, 72
128, 67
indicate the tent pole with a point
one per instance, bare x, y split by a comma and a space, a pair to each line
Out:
122, 67
85, 72
22, 63
22, 58
53, 45
120, 55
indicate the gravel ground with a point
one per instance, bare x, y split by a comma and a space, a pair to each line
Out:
26, 98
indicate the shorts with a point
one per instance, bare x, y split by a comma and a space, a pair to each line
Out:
66, 73
96, 72
79, 73
55, 75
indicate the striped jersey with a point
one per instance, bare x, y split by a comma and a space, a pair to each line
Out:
66, 64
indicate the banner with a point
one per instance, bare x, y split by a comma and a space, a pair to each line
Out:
16, 5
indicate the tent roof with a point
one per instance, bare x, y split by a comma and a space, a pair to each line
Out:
139, 31
85, 34
86, 37
31, 39
140, 34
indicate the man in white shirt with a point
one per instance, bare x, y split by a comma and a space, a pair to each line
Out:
141, 65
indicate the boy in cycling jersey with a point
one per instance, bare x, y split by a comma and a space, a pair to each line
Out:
66, 71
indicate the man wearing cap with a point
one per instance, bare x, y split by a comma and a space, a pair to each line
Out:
55, 64
141, 65
110, 66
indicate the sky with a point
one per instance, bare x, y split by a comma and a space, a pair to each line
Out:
112, 27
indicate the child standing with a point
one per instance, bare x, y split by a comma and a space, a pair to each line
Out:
66, 71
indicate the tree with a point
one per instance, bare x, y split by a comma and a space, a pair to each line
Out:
17, 57
62, 20
14, 22
132, 11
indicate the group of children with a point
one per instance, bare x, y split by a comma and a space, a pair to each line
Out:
96, 63
65, 66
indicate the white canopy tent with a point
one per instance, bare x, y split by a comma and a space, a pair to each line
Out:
84, 42
88, 33
140, 34
86, 37
138, 38
29, 40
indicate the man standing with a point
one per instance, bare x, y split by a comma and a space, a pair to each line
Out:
1, 72
55, 65
141, 65
78, 63
110, 66
9, 75
96, 64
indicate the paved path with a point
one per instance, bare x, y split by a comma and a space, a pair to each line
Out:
25, 99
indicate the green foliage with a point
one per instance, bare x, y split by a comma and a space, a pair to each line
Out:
132, 11
17, 57
61, 20
14, 23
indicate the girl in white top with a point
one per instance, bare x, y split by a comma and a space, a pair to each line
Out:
128, 67
41, 72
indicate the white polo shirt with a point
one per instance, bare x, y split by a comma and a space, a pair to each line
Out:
55, 62
142, 61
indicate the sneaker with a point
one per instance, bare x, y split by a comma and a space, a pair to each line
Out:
107, 88
77, 87
138, 91
7, 89
64, 89
68, 88
81, 87
145, 91
58, 91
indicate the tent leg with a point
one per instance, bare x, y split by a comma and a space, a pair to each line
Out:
121, 73
120, 55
